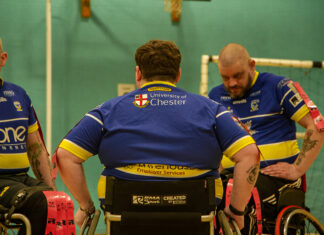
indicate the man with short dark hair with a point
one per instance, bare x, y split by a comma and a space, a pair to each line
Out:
158, 132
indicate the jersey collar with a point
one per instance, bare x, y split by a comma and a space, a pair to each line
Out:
256, 75
158, 82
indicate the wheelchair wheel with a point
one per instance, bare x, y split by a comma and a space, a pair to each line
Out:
228, 228
296, 220
91, 223
236, 228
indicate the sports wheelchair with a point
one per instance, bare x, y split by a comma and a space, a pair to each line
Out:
290, 216
293, 216
162, 207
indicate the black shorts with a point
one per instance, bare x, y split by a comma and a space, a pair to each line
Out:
11, 184
34, 206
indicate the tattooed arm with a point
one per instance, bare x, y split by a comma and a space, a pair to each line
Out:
39, 160
311, 147
246, 172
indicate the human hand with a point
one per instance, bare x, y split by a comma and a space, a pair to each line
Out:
239, 219
79, 217
282, 170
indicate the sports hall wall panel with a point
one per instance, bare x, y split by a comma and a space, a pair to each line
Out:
91, 56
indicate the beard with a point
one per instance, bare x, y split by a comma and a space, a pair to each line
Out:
243, 89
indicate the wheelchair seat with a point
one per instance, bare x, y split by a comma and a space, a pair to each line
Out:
160, 207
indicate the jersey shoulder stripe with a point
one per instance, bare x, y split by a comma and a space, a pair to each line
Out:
75, 149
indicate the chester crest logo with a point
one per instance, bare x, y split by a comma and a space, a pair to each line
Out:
141, 101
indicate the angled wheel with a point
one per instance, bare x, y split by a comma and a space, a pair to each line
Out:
228, 227
224, 224
235, 227
296, 220
90, 223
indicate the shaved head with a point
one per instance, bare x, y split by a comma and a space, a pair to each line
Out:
233, 53
236, 69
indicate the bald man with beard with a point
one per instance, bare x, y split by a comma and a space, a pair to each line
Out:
269, 106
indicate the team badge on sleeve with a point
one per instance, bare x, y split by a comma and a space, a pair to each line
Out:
296, 98
141, 101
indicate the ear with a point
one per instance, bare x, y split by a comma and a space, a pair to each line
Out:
252, 64
178, 76
3, 58
138, 76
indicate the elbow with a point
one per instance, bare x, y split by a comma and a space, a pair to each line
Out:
255, 154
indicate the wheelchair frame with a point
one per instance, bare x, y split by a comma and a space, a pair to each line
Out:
118, 218
89, 228
17, 216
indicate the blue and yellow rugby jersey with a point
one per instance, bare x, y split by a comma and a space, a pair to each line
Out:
17, 119
269, 110
158, 132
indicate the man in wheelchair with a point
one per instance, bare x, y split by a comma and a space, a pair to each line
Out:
269, 106
22, 146
261, 215
158, 133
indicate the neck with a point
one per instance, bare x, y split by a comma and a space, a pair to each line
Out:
165, 78
162, 78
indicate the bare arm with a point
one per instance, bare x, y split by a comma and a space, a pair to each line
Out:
220, 168
246, 170
39, 159
311, 147
72, 174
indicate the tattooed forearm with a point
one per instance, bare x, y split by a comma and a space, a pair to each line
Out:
308, 145
253, 173
34, 151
